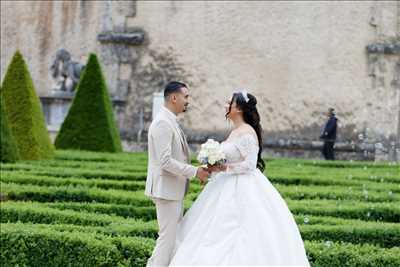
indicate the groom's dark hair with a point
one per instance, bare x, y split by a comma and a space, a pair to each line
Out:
173, 87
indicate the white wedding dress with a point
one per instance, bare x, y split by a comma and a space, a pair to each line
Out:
239, 218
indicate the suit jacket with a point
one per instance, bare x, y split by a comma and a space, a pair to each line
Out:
329, 131
169, 170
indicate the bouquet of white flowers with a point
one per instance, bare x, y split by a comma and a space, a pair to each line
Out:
211, 154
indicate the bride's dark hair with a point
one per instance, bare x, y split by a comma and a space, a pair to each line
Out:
251, 117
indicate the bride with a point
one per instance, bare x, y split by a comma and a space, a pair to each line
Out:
240, 218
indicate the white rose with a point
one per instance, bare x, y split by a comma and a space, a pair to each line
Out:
211, 150
211, 160
201, 156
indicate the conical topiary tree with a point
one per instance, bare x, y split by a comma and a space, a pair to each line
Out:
24, 112
90, 123
9, 151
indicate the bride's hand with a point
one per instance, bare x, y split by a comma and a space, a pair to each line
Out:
222, 167
217, 168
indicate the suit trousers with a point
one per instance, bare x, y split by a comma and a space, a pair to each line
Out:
169, 213
328, 150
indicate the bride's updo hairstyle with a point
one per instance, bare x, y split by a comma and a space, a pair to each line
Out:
247, 103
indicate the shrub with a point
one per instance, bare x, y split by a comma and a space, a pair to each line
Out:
90, 123
9, 151
24, 113
32, 245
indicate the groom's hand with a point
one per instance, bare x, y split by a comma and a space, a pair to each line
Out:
202, 174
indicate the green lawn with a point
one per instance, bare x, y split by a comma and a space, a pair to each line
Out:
89, 209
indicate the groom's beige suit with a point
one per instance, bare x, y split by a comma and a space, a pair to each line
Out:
168, 176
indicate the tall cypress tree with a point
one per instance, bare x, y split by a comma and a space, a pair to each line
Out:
24, 113
9, 151
90, 123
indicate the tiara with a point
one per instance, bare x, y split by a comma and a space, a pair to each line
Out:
244, 94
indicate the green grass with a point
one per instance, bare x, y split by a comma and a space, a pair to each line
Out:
89, 209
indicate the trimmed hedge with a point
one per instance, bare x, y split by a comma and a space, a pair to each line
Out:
24, 112
364, 172
43, 180
40, 214
32, 245
336, 193
382, 234
65, 172
333, 254
79, 155
9, 151
129, 167
147, 213
335, 181
302, 219
88, 178
144, 213
90, 123
79, 194
337, 164
387, 212
41, 245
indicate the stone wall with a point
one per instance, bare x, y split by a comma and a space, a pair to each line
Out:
297, 58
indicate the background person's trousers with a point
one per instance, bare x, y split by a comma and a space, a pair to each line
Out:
328, 150
169, 213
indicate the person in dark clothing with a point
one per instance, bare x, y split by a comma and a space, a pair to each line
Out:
328, 135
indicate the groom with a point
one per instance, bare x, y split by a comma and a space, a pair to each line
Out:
169, 171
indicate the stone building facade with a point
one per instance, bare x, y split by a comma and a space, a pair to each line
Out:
297, 58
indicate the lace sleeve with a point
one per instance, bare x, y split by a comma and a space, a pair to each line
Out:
248, 149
